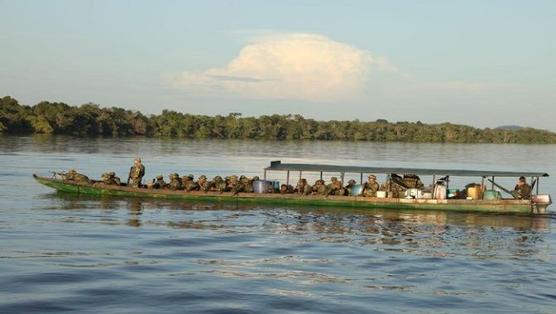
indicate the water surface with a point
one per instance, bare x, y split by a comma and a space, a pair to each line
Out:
62, 252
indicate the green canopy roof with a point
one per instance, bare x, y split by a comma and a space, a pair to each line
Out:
279, 166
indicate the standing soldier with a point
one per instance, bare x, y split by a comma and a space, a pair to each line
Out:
136, 174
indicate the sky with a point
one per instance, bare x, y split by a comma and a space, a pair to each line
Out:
481, 63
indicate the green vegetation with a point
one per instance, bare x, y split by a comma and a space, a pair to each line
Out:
92, 120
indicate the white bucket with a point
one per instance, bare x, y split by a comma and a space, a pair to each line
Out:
381, 194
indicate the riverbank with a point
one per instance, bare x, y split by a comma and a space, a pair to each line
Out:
93, 120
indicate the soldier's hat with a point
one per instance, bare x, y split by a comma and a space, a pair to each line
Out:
174, 175
159, 177
372, 176
111, 174
218, 178
256, 178
333, 179
202, 177
190, 176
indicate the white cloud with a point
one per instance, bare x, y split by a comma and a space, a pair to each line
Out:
289, 66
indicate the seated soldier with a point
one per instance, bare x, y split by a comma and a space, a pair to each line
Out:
109, 178
244, 185
217, 184
158, 183
522, 189
175, 182
203, 183
370, 187
319, 188
189, 184
231, 183
286, 189
302, 187
77, 177
335, 187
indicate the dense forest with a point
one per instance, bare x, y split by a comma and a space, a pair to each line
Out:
93, 120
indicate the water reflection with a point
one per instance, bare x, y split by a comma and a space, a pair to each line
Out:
428, 233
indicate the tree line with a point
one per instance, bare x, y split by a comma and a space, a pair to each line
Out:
93, 120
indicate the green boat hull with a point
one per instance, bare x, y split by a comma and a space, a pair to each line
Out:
497, 206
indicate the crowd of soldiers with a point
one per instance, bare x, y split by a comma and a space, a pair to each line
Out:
394, 184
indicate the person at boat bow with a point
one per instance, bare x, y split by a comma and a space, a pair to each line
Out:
522, 189
136, 173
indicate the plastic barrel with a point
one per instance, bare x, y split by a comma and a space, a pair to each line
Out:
492, 195
261, 186
356, 190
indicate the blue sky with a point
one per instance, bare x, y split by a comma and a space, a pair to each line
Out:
483, 63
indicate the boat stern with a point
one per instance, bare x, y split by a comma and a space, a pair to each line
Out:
540, 203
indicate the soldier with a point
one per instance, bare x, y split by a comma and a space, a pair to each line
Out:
232, 183
159, 183
203, 183
109, 178
175, 182
302, 187
244, 185
77, 177
286, 189
136, 173
189, 184
218, 184
522, 189
319, 188
370, 187
335, 187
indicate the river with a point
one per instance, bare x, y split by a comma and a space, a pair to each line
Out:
70, 253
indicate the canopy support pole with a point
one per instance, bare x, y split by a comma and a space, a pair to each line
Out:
321, 175
264, 176
288, 177
433, 180
361, 178
300, 173
538, 183
342, 178
492, 186
482, 188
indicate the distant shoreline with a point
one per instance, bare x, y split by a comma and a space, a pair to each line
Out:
91, 120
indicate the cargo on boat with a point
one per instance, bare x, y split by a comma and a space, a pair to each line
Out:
437, 196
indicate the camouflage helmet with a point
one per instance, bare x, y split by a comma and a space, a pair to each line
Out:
202, 177
218, 179
72, 171
372, 176
190, 176
159, 177
333, 179
256, 178
174, 175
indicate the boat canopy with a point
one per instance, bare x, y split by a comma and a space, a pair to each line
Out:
279, 166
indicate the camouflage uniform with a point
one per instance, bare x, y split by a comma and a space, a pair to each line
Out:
319, 188
370, 187
218, 184
335, 187
244, 185
302, 187
159, 183
189, 184
203, 183
109, 178
77, 177
522, 190
136, 173
175, 182
231, 183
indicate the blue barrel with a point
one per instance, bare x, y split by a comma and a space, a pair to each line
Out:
491, 195
356, 190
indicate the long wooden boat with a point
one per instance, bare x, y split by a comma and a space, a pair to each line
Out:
537, 204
